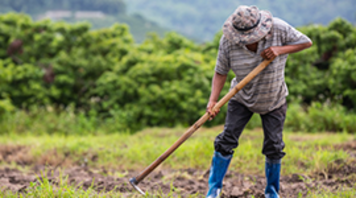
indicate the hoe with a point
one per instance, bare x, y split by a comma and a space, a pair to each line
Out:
136, 180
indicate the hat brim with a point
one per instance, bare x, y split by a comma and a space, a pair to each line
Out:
250, 36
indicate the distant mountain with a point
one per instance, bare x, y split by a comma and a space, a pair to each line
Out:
40, 6
199, 20
138, 25
202, 19
100, 14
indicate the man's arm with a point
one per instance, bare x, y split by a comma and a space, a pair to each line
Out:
274, 51
217, 85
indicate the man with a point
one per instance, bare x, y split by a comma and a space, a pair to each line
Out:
249, 36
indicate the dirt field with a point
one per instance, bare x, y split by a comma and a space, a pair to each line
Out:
185, 182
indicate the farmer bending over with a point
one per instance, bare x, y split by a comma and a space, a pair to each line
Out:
251, 35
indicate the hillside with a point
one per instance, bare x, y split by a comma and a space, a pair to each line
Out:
100, 14
199, 20
202, 19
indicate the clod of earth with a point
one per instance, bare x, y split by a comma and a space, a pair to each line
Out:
339, 175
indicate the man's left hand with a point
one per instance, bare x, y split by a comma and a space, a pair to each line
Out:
274, 51
271, 52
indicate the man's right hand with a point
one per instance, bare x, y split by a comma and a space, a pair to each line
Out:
210, 111
218, 84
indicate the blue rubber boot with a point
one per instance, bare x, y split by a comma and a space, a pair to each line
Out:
218, 170
273, 170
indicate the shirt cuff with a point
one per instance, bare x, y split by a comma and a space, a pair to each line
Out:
221, 71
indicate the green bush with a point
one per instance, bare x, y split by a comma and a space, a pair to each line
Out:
320, 117
67, 121
161, 82
342, 82
6, 107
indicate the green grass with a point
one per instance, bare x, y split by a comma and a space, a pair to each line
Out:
306, 153
68, 121
44, 189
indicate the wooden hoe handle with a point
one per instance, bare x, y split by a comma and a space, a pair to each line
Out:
199, 123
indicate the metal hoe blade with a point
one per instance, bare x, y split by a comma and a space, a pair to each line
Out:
134, 183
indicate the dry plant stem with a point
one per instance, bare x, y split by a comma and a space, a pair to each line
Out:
202, 120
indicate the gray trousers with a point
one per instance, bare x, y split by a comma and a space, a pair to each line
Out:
236, 119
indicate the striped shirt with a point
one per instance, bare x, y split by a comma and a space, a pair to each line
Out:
268, 90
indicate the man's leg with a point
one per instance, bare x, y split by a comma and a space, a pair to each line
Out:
273, 146
236, 119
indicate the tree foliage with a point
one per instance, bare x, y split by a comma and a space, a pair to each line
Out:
161, 82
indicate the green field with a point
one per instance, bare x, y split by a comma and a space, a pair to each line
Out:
307, 154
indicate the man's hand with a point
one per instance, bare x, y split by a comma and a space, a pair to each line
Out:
271, 52
210, 111
274, 51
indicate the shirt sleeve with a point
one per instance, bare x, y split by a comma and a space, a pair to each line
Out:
223, 62
292, 36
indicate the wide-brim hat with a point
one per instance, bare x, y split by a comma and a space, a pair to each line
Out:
247, 25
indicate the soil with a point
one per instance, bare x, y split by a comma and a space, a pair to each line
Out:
184, 182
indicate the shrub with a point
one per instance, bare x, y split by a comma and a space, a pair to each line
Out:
161, 82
